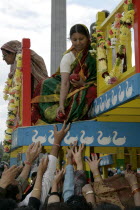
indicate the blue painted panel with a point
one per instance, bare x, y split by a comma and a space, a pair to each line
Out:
120, 94
91, 133
13, 161
106, 160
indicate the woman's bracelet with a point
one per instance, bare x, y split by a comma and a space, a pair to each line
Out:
136, 183
135, 190
27, 162
56, 144
96, 176
90, 192
35, 189
55, 193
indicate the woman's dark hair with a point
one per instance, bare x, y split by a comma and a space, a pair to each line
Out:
34, 174
7, 204
79, 28
25, 208
12, 191
107, 206
57, 206
8, 52
78, 202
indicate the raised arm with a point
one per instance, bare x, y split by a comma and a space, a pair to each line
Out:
31, 154
133, 182
58, 136
54, 196
49, 174
65, 84
94, 167
38, 183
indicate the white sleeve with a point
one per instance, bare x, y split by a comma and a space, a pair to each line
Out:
48, 178
66, 62
46, 181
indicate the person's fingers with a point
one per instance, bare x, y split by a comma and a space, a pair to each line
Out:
5, 168
95, 157
88, 159
12, 168
99, 160
55, 128
75, 143
76, 149
64, 125
68, 127
82, 146
92, 157
31, 146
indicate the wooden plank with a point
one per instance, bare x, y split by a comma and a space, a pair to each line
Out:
26, 90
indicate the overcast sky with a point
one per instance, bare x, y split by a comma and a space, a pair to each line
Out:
32, 19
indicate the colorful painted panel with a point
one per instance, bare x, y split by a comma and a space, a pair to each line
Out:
120, 94
92, 133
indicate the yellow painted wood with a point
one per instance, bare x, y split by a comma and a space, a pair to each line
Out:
133, 104
86, 152
133, 158
120, 152
105, 25
105, 172
125, 111
105, 150
119, 9
14, 153
118, 118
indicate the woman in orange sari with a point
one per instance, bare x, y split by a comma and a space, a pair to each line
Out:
68, 94
38, 67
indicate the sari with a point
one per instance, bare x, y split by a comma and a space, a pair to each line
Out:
38, 67
78, 100
115, 190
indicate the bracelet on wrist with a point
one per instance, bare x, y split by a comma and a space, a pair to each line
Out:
55, 193
135, 190
35, 189
136, 183
27, 163
96, 176
90, 192
56, 144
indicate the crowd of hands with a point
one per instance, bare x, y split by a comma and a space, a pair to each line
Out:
74, 157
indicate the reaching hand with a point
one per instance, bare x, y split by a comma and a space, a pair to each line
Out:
43, 165
131, 177
93, 163
33, 151
9, 175
77, 154
59, 135
86, 189
69, 154
58, 177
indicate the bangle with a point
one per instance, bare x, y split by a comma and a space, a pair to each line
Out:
96, 176
55, 193
28, 163
90, 192
36, 189
56, 144
135, 190
134, 184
